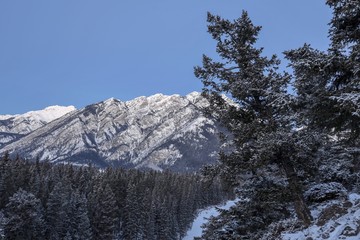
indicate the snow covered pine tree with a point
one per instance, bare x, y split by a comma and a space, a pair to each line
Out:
259, 116
329, 82
24, 217
328, 89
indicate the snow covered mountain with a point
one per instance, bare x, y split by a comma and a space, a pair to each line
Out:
159, 132
13, 127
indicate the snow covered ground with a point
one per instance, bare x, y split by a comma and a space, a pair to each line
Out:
196, 230
333, 220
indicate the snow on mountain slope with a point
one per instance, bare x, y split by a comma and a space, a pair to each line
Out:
148, 132
13, 127
28, 122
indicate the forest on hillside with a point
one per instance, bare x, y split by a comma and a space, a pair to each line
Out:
40, 200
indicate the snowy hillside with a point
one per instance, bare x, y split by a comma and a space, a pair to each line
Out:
13, 127
148, 132
28, 122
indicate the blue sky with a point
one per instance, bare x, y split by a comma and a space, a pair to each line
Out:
66, 52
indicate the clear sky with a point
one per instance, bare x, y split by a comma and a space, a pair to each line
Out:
78, 52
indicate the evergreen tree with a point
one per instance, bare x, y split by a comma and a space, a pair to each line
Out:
150, 223
8, 185
2, 184
328, 83
24, 217
248, 95
134, 216
56, 212
186, 202
162, 221
2, 224
104, 212
328, 87
79, 226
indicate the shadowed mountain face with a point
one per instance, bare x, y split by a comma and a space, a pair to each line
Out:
158, 132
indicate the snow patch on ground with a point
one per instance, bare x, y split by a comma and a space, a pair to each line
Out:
203, 216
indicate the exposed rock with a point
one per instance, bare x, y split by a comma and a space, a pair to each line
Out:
331, 212
350, 231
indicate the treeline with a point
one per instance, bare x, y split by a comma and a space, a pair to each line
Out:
39, 200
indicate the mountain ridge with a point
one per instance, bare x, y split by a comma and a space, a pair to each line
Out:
158, 132
13, 127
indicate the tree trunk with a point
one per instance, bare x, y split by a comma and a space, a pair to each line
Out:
301, 208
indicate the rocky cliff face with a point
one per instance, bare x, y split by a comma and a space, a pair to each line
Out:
159, 132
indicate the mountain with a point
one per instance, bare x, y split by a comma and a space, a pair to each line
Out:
158, 132
13, 127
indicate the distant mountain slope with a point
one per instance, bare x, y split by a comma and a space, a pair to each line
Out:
159, 132
13, 127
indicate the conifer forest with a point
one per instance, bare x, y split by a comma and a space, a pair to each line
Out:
39, 200
290, 141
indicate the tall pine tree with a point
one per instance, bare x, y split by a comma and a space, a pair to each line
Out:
104, 212
249, 96
24, 217
328, 83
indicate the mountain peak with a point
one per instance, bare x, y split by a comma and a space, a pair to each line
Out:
13, 127
49, 113
111, 100
158, 132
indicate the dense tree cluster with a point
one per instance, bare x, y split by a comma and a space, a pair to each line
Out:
39, 200
283, 143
